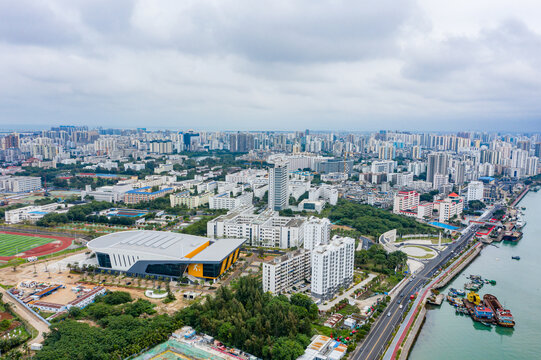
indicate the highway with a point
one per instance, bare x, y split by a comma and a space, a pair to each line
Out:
381, 332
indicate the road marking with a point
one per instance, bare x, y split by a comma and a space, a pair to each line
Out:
383, 332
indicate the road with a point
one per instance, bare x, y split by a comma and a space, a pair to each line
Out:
27, 315
381, 332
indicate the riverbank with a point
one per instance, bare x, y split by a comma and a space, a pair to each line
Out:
414, 326
447, 336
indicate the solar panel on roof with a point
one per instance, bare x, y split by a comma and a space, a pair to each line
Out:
155, 240
168, 243
162, 241
134, 238
148, 239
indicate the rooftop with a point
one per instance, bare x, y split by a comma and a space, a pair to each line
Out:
168, 245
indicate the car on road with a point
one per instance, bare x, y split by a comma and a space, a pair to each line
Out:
389, 313
400, 307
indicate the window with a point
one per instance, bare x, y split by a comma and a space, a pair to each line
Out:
104, 260
166, 269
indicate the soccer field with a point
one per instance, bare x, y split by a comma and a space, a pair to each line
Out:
11, 244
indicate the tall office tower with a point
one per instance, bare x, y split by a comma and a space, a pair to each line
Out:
278, 186
332, 267
438, 163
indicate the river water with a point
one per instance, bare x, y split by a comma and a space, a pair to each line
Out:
448, 336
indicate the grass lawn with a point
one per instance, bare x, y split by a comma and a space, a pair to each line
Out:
11, 244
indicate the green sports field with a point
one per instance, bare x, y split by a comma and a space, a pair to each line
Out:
11, 244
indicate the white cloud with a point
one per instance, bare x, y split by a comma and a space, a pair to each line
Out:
239, 64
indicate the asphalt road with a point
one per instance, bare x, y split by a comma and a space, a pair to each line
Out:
382, 330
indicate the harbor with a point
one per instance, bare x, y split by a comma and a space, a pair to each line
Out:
450, 331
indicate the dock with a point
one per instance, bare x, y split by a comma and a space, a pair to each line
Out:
458, 268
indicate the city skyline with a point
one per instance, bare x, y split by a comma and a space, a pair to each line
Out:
416, 65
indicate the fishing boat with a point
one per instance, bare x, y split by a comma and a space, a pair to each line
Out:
460, 292
515, 257
472, 286
503, 316
486, 324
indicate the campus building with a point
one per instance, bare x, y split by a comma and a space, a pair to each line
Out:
160, 253
404, 201
264, 229
185, 198
145, 194
225, 201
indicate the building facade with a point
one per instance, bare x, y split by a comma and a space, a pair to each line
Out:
332, 267
278, 186
283, 272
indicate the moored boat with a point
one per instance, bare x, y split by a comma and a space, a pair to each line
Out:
503, 316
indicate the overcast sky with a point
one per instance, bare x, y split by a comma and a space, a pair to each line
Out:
272, 65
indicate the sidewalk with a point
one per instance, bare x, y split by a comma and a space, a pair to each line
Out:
391, 352
346, 295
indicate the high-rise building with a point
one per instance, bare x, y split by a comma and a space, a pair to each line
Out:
285, 271
278, 186
438, 163
316, 232
332, 267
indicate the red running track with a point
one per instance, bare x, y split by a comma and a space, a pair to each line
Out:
52, 247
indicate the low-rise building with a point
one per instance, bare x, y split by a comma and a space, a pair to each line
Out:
185, 198
145, 194
86, 298
225, 201
31, 213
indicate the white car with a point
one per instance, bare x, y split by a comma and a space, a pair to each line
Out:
400, 307
389, 313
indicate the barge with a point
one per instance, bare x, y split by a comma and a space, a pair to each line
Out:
503, 316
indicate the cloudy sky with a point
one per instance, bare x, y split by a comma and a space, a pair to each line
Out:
272, 65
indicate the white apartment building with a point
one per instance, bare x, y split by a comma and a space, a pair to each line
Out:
134, 166
475, 191
405, 200
449, 207
332, 267
440, 180
326, 192
248, 176
383, 166
283, 272
278, 186
424, 210
19, 184
266, 229
317, 231
404, 179
225, 201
